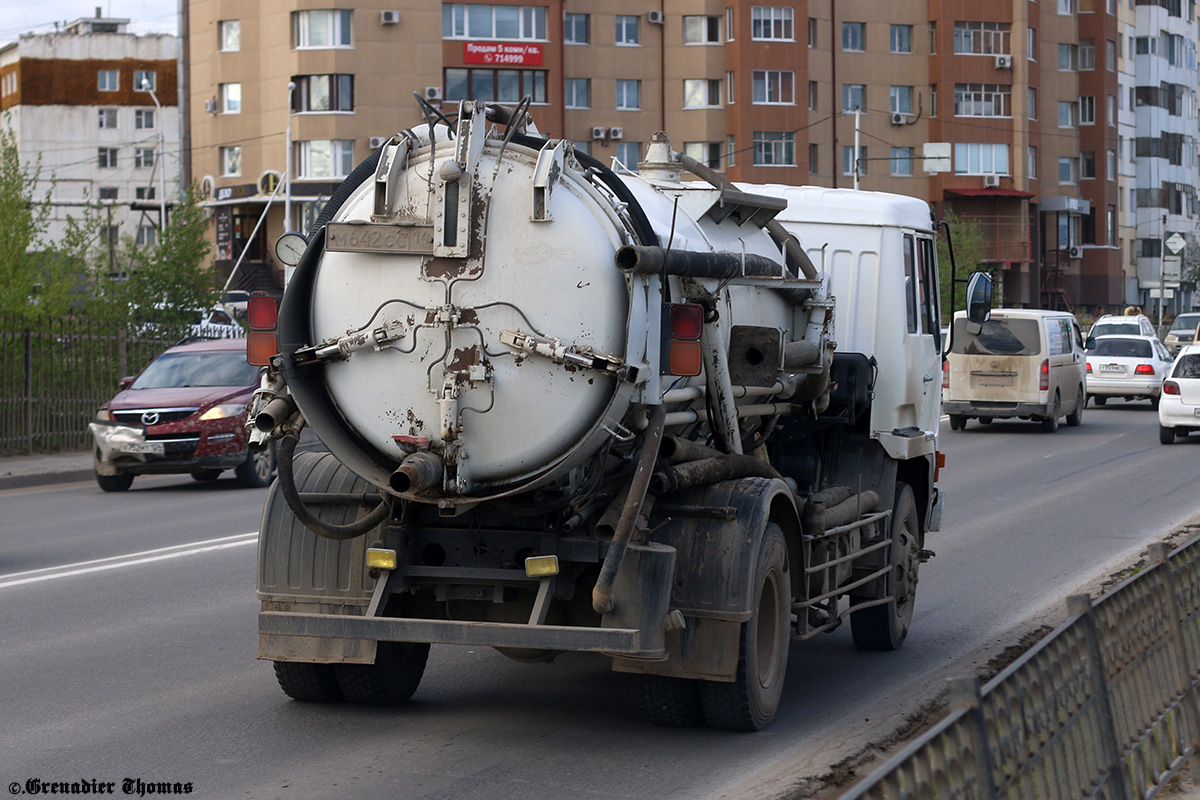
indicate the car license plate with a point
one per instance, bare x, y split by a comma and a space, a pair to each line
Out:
153, 448
1112, 368
1196, 411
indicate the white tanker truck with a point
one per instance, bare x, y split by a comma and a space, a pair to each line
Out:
574, 409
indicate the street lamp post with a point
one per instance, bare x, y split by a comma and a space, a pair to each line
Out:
287, 170
162, 163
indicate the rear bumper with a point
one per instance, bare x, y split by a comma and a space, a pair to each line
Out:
969, 408
1174, 414
1124, 387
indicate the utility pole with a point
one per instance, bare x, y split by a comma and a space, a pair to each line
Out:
1162, 271
162, 156
857, 135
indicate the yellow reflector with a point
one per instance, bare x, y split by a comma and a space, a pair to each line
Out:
378, 558
684, 358
541, 566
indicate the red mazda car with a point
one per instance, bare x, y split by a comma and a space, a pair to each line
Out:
185, 413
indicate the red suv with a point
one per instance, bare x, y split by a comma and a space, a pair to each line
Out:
185, 413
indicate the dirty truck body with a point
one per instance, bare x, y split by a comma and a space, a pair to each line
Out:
681, 423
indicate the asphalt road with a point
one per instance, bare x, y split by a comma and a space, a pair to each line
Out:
127, 642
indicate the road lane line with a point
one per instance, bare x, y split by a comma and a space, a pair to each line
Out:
130, 560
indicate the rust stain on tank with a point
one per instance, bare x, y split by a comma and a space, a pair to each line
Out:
468, 316
444, 268
464, 358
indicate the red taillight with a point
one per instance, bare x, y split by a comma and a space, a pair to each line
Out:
1089, 370
685, 325
1170, 387
1044, 383
1144, 369
262, 312
687, 320
945, 374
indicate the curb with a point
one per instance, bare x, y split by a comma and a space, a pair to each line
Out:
45, 478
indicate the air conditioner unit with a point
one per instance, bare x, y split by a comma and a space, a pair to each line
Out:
376, 142
616, 133
210, 105
1075, 251
1003, 62
599, 132
389, 17
433, 93
991, 181
654, 17
899, 119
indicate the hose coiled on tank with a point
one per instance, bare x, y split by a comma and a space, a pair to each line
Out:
287, 486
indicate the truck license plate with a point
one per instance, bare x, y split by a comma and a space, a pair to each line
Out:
153, 448
368, 238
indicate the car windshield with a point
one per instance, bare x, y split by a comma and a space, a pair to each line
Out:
1126, 348
1188, 367
197, 368
1110, 328
999, 337
1186, 322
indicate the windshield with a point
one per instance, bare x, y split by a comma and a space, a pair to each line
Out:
999, 337
1186, 322
1188, 367
1127, 348
198, 368
1110, 328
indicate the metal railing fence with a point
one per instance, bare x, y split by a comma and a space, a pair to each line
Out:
55, 373
1105, 706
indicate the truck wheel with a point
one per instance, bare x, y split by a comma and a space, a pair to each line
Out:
314, 683
258, 468
1050, 423
672, 702
1076, 417
957, 422
750, 701
1166, 435
391, 680
885, 627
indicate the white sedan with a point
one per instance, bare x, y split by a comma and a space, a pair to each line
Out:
1179, 409
1132, 367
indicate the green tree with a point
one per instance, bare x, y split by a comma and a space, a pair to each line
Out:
969, 251
22, 226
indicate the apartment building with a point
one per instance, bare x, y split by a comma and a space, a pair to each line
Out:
96, 107
1038, 101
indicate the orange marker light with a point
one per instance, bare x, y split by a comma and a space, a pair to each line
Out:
685, 358
260, 346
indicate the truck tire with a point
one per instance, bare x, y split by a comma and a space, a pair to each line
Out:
390, 681
257, 470
885, 627
749, 702
313, 683
957, 422
671, 702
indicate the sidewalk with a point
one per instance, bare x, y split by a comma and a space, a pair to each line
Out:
38, 470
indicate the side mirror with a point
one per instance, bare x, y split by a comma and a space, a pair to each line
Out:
1089, 343
979, 298
125, 383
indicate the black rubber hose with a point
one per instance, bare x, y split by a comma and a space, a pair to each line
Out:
287, 485
710, 470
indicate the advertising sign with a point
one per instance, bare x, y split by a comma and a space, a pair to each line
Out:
512, 54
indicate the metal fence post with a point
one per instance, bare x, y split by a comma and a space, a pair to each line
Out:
27, 387
1081, 604
122, 353
964, 693
1158, 554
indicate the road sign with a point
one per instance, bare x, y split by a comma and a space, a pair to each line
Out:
1175, 243
935, 156
1171, 266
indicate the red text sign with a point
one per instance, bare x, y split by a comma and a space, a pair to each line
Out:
524, 55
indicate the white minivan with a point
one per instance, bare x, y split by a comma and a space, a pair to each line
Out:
1024, 363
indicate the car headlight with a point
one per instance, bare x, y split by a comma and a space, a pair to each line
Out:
105, 414
223, 411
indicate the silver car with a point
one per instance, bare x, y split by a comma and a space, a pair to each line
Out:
1182, 332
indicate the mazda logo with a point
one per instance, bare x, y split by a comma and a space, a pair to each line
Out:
150, 418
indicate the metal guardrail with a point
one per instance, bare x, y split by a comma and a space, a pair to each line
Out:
1105, 706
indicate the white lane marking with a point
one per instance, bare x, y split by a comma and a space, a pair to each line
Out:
130, 560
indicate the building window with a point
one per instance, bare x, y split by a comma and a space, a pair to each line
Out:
771, 23
812, 95
323, 93
700, 93
584, 147
854, 96
900, 99
1067, 114
902, 161
729, 15
323, 28
814, 160
1068, 170
1087, 165
854, 36
972, 158
576, 28
1031, 101
773, 87
707, 153
812, 32
229, 35
143, 157
1031, 43
143, 118
1110, 55
483, 21
326, 158
627, 30
145, 236
982, 38
982, 100
1067, 57
1031, 158
231, 160
107, 157
848, 161
933, 38
629, 154
577, 93
1087, 54
143, 193
108, 193
774, 149
629, 95
108, 80
107, 117
110, 235
1087, 110
729, 85
503, 85
699, 29
145, 80
1110, 163
933, 94
731, 151
231, 98
1110, 109
1066, 7
901, 38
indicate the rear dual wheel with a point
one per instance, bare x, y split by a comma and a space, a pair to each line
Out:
391, 680
885, 627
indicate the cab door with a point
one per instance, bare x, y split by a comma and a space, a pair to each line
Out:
923, 345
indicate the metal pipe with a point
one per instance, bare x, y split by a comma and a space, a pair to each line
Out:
710, 470
646, 260
417, 472
689, 393
275, 412
602, 596
677, 450
760, 410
